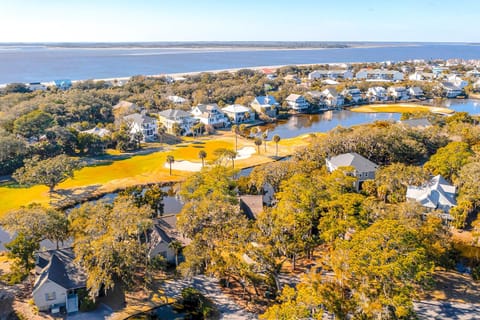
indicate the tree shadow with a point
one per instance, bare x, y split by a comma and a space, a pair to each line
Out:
62, 198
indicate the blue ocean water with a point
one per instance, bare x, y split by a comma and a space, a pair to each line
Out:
40, 63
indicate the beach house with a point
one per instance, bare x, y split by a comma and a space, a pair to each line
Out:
297, 102
238, 113
398, 93
266, 105
330, 74
364, 169
140, 122
185, 121
161, 237
377, 94
379, 75
332, 98
210, 114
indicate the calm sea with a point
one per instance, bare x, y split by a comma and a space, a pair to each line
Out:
38, 63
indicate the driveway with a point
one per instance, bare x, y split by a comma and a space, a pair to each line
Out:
102, 312
211, 289
447, 310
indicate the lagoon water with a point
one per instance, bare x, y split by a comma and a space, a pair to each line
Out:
30, 63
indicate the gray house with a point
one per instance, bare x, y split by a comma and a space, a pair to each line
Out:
165, 232
437, 194
364, 168
58, 280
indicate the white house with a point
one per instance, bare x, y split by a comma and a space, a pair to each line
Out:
163, 233
436, 194
332, 98
473, 73
451, 90
185, 121
379, 75
210, 114
238, 113
398, 93
354, 93
177, 99
265, 104
330, 74
101, 132
297, 102
140, 122
457, 81
416, 92
364, 168
421, 76
58, 280
36, 86
377, 94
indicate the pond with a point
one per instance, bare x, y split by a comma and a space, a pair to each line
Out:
323, 122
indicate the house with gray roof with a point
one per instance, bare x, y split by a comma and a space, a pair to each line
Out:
266, 105
364, 169
184, 119
238, 113
163, 233
251, 205
58, 280
140, 122
332, 98
437, 194
210, 114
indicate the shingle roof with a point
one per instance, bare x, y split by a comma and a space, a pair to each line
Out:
139, 118
59, 266
251, 205
293, 97
165, 229
236, 108
174, 114
360, 163
437, 194
263, 100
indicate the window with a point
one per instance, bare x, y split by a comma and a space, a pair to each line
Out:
50, 296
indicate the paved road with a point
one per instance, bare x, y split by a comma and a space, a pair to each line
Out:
210, 288
447, 310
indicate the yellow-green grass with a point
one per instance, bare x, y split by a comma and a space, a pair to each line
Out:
401, 108
142, 169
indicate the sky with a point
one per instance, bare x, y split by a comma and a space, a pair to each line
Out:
239, 20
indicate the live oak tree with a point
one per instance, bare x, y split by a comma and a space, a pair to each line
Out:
33, 124
48, 172
449, 160
108, 242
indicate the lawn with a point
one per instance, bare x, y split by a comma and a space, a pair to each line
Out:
141, 169
401, 108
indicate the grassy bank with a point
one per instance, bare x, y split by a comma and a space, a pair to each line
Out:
401, 108
92, 181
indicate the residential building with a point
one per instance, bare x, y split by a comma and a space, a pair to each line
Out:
140, 122
379, 75
63, 84
238, 113
353, 94
364, 168
58, 279
476, 86
101, 132
36, 86
456, 80
332, 98
266, 105
163, 233
451, 90
421, 76
398, 93
437, 194
177, 99
473, 73
330, 74
184, 119
377, 94
416, 92
318, 99
297, 102
251, 205
292, 77
126, 106
210, 114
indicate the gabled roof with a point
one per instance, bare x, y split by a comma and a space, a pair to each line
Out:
165, 229
101, 132
207, 108
330, 91
125, 104
450, 86
59, 266
360, 163
139, 118
174, 114
436, 194
236, 108
293, 97
265, 100
251, 205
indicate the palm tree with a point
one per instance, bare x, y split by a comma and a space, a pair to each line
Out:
276, 139
264, 137
254, 131
242, 128
235, 131
176, 246
170, 161
202, 154
258, 143
230, 154
161, 132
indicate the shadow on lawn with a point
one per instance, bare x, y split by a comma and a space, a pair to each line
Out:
66, 197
